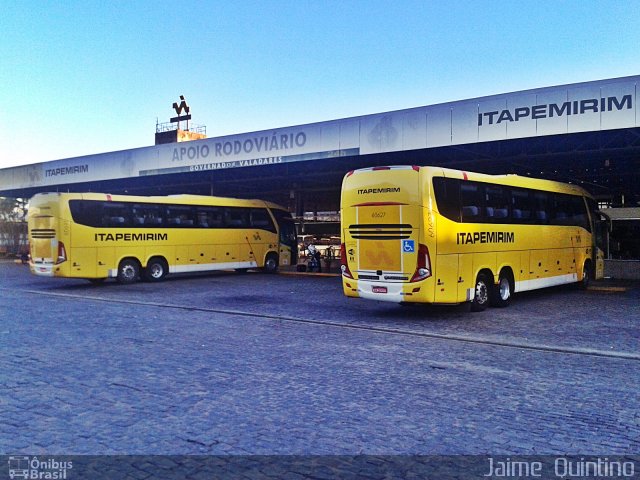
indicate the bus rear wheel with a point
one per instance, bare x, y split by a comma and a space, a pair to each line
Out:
501, 293
128, 271
481, 293
156, 269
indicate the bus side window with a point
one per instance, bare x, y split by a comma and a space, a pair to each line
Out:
203, 220
472, 198
261, 219
116, 215
579, 215
86, 212
592, 206
520, 206
540, 208
497, 201
180, 216
447, 193
147, 215
560, 209
236, 217
209, 217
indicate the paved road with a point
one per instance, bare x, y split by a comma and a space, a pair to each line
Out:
278, 365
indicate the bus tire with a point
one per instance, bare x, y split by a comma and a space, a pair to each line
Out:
482, 292
271, 263
156, 269
501, 293
586, 276
128, 271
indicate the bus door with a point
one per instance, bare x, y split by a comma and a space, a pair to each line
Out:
288, 238
602, 228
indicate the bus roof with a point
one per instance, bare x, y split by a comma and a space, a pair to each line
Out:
509, 179
181, 199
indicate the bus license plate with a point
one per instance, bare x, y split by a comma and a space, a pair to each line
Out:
379, 289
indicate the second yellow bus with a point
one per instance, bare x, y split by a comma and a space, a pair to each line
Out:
97, 236
433, 235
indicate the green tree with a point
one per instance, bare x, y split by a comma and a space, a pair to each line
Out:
13, 225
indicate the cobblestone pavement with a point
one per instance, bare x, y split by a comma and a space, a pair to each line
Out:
285, 365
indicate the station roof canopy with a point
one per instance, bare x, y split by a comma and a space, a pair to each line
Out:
587, 133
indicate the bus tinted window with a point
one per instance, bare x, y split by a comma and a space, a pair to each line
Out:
476, 202
540, 207
180, 216
579, 215
84, 213
447, 193
497, 204
116, 214
147, 215
472, 198
237, 217
520, 206
260, 218
94, 213
210, 217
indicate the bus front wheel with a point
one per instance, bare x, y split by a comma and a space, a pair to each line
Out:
156, 269
128, 271
481, 293
271, 263
586, 276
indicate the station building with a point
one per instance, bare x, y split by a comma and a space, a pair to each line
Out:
584, 133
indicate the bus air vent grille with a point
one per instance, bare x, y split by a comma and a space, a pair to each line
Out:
387, 231
43, 233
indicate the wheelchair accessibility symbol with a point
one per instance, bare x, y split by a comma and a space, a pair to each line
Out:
408, 246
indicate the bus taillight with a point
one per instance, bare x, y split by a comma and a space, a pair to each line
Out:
62, 253
344, 266
423, 268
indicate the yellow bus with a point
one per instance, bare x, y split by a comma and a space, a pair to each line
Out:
98, 236
433, 235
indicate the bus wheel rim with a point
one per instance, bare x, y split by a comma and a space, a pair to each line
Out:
156, 271
505, 289
128, 271
482, 293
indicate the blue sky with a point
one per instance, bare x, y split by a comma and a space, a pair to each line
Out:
84, 77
